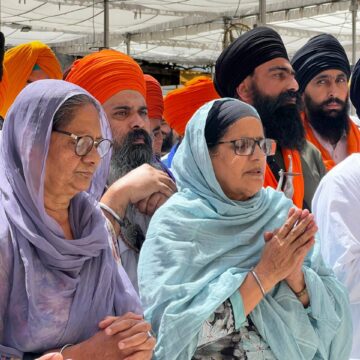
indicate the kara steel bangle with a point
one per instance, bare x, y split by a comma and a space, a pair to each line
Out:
112, 213
64, 347
258, 282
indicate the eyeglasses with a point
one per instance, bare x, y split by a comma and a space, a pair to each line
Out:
246, 146
85, 143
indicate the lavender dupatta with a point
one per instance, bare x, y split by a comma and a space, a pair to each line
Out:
46, 274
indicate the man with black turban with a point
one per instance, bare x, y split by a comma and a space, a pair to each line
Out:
256, 69
322, 71
355, 88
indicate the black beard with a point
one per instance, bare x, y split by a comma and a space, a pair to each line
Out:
281, 119
127, 156
168, 142
330, 125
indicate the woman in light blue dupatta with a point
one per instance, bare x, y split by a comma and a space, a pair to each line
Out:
230, 270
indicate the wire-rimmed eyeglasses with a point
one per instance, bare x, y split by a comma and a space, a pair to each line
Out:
85, 143
246, 146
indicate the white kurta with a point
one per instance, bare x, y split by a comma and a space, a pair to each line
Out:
336, 206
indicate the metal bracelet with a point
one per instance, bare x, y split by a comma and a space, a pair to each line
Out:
112, 213
258, 281
64, 347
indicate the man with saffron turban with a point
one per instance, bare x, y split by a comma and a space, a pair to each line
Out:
180, 105
255, 68
118, 83
322, 71
155, 105
26, 63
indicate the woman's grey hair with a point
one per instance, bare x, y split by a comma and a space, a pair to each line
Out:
67, 110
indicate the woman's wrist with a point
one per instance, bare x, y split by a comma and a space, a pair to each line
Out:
117, 198
296, 282
74, 352
265, 277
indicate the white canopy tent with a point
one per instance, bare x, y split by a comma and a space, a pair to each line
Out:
186, 32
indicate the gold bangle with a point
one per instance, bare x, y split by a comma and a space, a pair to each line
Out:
301, 293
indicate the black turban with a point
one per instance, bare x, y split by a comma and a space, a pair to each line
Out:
320, 53
355, 88
244, 55
2, 50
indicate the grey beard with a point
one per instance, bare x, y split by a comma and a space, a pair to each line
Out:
126, 158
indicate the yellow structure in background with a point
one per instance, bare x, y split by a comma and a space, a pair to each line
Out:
186, 75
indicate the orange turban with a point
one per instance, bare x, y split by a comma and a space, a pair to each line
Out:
181, 104
3, 74
19, 63
4, 84
107, 72
154, 98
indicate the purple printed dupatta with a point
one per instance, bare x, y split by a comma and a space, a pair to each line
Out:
47, 273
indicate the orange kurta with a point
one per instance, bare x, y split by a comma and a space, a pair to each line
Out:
353, 141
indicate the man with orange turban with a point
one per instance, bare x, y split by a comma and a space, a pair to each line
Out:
27, 63
180, 105
155, 105
118, 83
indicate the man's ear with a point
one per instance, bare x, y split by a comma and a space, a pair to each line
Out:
244, 91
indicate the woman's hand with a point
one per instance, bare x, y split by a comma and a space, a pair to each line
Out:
136, 341
149, 205
124, 337
51, 356
286, 248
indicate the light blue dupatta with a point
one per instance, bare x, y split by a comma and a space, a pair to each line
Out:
199, 248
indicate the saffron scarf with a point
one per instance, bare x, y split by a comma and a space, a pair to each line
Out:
353, 141
298, 181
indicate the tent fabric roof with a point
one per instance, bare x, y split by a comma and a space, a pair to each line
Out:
188, 32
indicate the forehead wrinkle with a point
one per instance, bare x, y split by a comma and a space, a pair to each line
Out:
282, 68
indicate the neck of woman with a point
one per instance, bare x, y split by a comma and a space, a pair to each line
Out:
58, 208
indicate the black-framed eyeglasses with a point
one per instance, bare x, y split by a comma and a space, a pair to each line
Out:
246, 146
85, 143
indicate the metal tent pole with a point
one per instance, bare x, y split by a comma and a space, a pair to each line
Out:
354, 8
128, 41
262, 12
106, 23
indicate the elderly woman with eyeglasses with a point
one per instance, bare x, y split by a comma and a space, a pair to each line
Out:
230, 270
62, 288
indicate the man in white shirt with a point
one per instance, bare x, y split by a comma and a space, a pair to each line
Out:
336, 206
